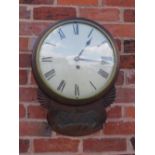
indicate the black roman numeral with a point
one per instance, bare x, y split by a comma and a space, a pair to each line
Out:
92, 85
77, 91
61, 34
46, 59
61, 86
48, 75
103, 73
76, 28
91, 31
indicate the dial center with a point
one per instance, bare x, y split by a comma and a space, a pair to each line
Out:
77, 67
76, 58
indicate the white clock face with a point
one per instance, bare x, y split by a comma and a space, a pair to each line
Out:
76, 60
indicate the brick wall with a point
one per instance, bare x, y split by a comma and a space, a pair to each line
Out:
36, 136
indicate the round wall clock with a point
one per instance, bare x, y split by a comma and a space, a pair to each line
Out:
75, 61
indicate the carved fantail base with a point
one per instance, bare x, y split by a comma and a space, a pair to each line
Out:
76, 120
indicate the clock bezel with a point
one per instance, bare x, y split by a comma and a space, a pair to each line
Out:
53, 95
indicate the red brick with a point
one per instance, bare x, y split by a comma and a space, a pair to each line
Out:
32, 28
24, 60
129, 46
119, 128
130, 77
56, 145
21, 111
127, 61
34, 129
129, 15
120, 78
23, 77
24, 12
33, 81
23, 44
126, 154
100, 145
121, 3
36, 1
121, 30
114, 112
78, 2
37, 112
39, 27
118, 44
100, 14
125, 95
24, 145
53, 13
28, 94
26, 28
129, 112
32, 42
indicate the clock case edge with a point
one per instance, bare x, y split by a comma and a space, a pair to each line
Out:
51, 94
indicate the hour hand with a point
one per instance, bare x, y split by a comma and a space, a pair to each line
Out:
87, 44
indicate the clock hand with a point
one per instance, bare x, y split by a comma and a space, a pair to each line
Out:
92, 60
80, 53
87, 44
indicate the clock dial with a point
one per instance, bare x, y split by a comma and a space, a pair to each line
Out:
76, 60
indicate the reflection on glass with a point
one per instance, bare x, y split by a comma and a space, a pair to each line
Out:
76, 55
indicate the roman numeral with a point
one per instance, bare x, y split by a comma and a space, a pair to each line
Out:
77, 91
76, 29
48, 75
61, 34
46, 59
92, 85
91, 31
61, 86
103, 73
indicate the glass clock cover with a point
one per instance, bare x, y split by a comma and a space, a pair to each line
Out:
75, 60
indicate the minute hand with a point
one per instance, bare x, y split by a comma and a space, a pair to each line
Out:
92, 60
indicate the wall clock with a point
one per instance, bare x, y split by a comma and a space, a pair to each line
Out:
75, 62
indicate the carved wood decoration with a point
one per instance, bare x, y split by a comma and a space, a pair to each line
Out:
76, 120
